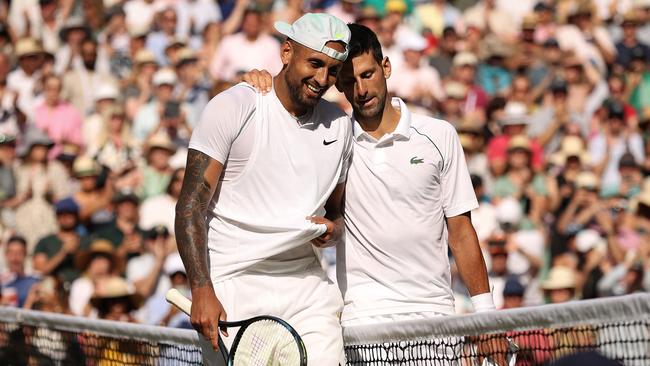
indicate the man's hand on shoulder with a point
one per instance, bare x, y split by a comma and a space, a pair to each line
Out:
261, 80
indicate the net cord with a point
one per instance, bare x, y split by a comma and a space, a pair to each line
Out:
100, 327
597, 311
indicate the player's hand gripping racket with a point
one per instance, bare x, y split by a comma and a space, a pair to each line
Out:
262, 340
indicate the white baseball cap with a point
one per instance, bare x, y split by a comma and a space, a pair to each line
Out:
164, 77
314, 30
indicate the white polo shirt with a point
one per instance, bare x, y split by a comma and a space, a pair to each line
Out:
399, 191
277, 171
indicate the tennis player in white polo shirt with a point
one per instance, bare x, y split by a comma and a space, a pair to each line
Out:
408, 200
264, 182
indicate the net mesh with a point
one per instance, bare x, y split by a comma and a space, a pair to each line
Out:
619, 328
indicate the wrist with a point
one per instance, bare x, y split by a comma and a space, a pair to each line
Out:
483, 302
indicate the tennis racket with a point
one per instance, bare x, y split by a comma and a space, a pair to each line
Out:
262, 340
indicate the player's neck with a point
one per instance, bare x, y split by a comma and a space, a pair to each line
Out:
382, 124
284, 95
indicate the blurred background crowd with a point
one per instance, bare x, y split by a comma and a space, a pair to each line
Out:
551, 100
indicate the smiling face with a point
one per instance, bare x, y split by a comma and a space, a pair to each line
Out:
308, 73
363, 81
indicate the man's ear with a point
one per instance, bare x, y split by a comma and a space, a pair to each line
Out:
386, 66
286, 52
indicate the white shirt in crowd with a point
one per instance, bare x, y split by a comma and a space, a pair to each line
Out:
399, 192
236, 54
278, 170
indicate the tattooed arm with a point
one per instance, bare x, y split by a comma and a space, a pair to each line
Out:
200, 182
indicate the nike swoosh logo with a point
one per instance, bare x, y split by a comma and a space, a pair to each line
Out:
328, 142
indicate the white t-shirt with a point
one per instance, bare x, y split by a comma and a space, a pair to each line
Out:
277, 171
399, 192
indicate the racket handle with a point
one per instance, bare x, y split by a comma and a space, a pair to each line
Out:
179, 300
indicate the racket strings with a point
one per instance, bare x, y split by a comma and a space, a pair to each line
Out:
267, 343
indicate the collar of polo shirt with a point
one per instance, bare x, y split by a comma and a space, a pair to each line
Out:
400, 132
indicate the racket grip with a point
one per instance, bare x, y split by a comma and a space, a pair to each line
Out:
179, 300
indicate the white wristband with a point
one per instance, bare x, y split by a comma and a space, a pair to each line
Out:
483, 302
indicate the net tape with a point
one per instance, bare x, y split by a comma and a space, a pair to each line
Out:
617, 327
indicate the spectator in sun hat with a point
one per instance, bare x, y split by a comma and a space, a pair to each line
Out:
251, 48
93, 200
81, 82
42, 181
492, 74
157, 174
116, 299
105, 97
630, 43
417, 82
158, 41
514, 122
464, 71
560, 285
609, 145
451, 108
72, 34
116, 148
23, 80
96, 262
54, 253
193, 88
148, 116
138, 88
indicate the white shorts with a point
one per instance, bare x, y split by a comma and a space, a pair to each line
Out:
307, 300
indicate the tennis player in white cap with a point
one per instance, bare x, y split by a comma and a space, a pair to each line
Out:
263, 185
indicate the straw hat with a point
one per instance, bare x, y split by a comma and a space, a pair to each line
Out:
519, 142
587, 180
398, 6
160, 141
572, 146
465, 58
144, 57
529, 22
97, 246
85, 166
27, 47
456, 90
114, 288
185, 55
560, 277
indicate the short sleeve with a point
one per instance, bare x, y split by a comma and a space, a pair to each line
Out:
458, 193
222, 120
347, 153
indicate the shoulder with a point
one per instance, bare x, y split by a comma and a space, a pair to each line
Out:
238, 100
434, 128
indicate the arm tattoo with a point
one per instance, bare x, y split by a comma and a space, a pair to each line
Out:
190, 223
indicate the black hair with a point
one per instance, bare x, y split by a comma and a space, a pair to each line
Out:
18, 239
363, 40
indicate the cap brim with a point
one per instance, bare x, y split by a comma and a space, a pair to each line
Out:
284, 28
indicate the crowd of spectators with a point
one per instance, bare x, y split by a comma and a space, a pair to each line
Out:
551, 100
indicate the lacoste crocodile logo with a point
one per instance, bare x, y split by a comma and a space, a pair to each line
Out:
416, 160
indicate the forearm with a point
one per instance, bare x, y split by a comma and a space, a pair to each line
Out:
190, 225
469, 259
51, 264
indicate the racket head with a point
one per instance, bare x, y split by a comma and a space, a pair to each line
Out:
266, 341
